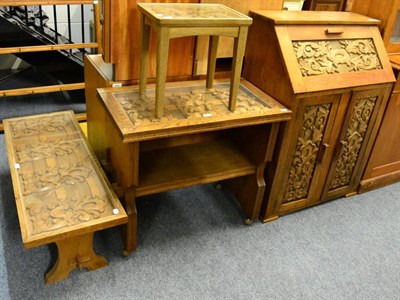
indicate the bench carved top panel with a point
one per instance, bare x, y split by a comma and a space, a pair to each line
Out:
59, 186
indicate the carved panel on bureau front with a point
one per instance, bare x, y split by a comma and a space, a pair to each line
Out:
307, 148
336, 56
351, 145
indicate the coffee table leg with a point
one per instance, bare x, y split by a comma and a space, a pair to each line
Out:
129, 231
212, 60
75, 252
238, 53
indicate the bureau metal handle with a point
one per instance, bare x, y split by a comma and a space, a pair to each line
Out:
321, 153
334, 31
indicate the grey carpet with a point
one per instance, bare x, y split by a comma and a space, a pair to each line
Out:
193, 245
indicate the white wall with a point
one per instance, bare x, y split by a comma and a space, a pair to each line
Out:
293, 4
62, 20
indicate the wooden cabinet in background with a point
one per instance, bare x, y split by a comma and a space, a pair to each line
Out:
225, 48
324, 5
187, 57
333, 72
384, 163
388, 12
121, 30
391, 35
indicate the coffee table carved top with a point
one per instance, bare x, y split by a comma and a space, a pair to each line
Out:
202, 14
189, 107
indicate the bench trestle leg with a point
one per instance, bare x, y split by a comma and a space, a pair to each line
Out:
75, 252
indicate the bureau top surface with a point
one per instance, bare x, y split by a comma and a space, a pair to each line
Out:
186, 14
313, 17
58, 186
188, 108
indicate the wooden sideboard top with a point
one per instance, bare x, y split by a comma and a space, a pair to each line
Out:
314, 17
189, 108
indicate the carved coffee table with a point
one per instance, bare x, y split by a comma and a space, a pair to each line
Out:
198, 140
173, 20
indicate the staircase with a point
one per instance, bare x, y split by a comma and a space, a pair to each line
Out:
62, 65
54, 63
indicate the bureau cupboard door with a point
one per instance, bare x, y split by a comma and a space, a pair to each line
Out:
307, 160
355, 142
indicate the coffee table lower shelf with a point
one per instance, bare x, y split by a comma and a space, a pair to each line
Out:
166, 169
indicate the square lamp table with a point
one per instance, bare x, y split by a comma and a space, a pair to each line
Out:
174, 20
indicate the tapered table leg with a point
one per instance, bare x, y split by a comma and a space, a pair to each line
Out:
212, 60
144, 55
238, 53
129, 231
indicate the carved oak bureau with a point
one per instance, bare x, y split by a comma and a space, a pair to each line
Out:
331, 69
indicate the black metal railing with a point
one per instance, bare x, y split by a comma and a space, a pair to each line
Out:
51, 39
35, 18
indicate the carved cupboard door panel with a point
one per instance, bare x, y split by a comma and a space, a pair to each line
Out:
309, 151
355, 142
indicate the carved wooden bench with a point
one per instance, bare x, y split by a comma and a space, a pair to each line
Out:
61, 193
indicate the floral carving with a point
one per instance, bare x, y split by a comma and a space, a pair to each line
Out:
39, 125
189, 103
59, 213
307, 148
197, 103
352, 142
337, 56
29, 152
53, 178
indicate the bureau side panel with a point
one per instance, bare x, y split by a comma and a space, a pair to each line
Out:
264, 66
